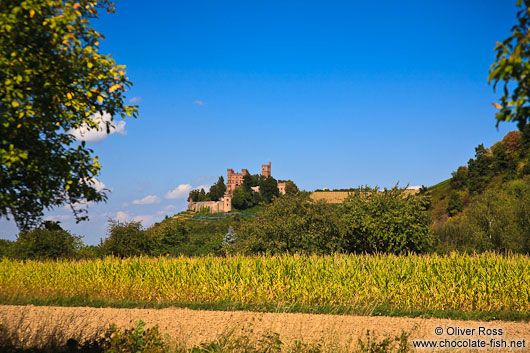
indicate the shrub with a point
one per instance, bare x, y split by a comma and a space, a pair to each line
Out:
387, 221
170, 238
42, 243
5, 247
137, 339
292, 223
455, 204
127, 239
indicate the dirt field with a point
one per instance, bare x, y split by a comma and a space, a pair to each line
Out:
34, 324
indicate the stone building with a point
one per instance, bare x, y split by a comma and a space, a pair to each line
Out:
266, 170
223, 205
233, 180
281, 188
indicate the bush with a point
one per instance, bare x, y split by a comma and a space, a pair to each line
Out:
455, 204
5, 248
242, 198
127, 239
387, 221
292, 223
170, 238
137, 339
90, 252
42, 243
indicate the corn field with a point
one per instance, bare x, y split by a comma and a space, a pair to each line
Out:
486, 282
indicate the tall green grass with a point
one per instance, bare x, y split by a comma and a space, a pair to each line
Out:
412, 283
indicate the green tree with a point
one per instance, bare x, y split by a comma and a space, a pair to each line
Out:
248, 181
5, 248
460, 178
202, 195
268, 189
45, 243
291, 188
53, 80
455, 204
292, 223
387, 221
193, 195
512, 68
503, 162
127, 239
170, 238
242, 198
218, 189
480, 170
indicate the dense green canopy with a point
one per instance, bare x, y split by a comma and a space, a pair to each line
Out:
53, 80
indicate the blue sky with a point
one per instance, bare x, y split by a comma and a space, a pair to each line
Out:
335, 94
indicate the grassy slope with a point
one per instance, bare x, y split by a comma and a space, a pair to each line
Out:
440, 196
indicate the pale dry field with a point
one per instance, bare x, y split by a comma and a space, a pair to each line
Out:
35, 324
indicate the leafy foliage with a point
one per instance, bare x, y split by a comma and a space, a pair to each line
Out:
368, 221
291, 188
242, 198
512, 69
5, 248
217, 190
197, 195
136, 339
126, 239
53, 80
498, 219
169, 238
45, 243
268, 189
455, 204
294, 224
387, 221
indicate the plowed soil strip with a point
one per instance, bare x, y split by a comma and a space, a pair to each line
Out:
34, 324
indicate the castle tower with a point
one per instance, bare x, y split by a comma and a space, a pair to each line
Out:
233, 180
266, 170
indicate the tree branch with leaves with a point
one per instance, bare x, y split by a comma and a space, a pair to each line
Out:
54, 80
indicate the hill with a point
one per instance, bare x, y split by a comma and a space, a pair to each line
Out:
486, 204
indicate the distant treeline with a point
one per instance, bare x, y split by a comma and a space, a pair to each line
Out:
485, 206
291, 223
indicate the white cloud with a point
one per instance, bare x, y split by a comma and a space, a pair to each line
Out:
122, 216
77, 205
135, 99
148, 200
98, 185
83, 132
63, 217
145, 219
205, 187
198, 102
180, 192
125, 204
166, 209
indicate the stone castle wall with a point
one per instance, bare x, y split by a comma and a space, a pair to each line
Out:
223, 205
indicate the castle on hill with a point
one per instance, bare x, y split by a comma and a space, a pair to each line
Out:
233, 180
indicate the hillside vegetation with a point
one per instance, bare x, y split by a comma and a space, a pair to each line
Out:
486, 204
